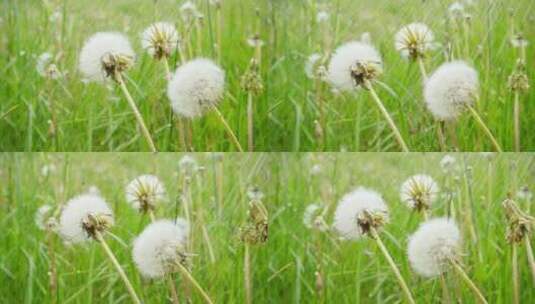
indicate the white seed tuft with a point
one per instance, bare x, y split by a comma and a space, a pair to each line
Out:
145, 192
414, 41
160, 39
419, 191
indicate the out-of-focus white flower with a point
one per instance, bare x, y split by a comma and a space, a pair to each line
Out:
450, 89
419, 192
414, 41
312, 65
189, 11
366, 37
188, 164
358, 212
447, 163
103, 54
48, 169
456, 10
322, 16
524, 194
93, 190
83, 216
519, 41
313, 217
46, 67
160, 39
255, 41
145, 192
315, 169
196, 87
433, 245
44, 218
352, 64
159, 248
254, 193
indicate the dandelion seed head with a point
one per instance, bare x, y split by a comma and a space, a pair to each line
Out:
352, 64
414, 41
311, 65
313, 217
447, 163
196, 87
160, 39
450, 89
419, 192
159, 248
189, 11
46, 67
145, 192
355, 207
42, 218
82, 216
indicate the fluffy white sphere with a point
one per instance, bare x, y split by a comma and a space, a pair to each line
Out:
145, 191
432, 245
344, 60
419, 189
350, 208
77, 211
159, 247
160, 39
96, 47
414, 40
450, 89
196, 87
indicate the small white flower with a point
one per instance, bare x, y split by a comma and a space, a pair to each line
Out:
160, 39
188, 165
450, 89
447, 163
414, 41
159, 248
315, 169
352, 63
419, 191
97, 48
196, 87
432, 246
353, 207
519, 41
145, 192
456, 10
322, 16
254, 193
255, 41
82, 215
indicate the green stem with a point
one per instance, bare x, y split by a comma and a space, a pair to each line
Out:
485, 128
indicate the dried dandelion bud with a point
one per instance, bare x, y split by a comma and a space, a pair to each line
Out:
518, 81
144, 193
251, 80
255, 231
520, 223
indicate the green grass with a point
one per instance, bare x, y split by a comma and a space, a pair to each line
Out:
93, 118
353, 272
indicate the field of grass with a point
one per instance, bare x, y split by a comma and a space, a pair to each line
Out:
92, 117
284, 267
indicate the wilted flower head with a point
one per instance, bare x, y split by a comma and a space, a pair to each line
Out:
451, 88
160, 39
414, 40
104, 54
358, 212
196, 87
159, 248
353, 64
520, 224
44, 218
313, 217
255, 230
518, 81
144, 192
46, 66
83, 216
433, 245
419, 192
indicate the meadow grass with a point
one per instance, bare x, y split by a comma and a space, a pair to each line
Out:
93, 118
284, 267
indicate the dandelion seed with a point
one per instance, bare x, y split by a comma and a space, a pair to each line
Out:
358, 211
104, 54
456, 10
160, 40
419, 192
433, 245
144, 193
414, 41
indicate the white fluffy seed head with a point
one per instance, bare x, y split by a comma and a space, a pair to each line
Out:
311, 65
78, 211
97, 47
159, 248
160, 39
432, 246
351, 62
196, 87
414, 40
145, 192
42, 216
355, 205
451, 88
419, 192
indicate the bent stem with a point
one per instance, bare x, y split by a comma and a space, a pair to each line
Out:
247, 275
392, 264
517, 122
250, 122
485, 128
134, 108
531, 259
386, 115
469, 282
229, 130
193, 282
118, 267
516, 284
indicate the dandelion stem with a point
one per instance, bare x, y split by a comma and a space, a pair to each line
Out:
386, 115
247, 275
53, 284
392, 264
440, 134
531, 259
421, 65
118, 267
181, 133
445, 291
219, 30
469, 282
485, 128
250, 122
516, 283
195, 284
172, 288
167, 70
229, 130
517, 121
134, 108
